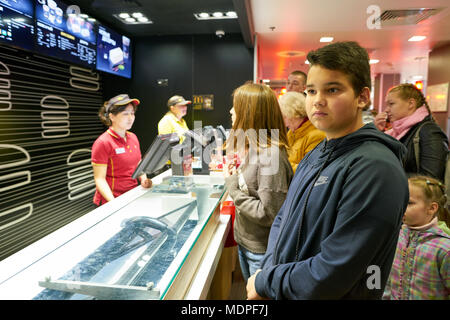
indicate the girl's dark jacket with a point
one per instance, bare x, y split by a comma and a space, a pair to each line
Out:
335, 235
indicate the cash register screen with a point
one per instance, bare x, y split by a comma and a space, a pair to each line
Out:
157, 154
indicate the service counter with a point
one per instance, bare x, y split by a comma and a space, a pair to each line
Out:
158, 243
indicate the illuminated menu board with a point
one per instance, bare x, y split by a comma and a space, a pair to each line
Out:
113, 52
65, 36
17, 23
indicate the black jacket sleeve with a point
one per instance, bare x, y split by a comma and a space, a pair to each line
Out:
433, 146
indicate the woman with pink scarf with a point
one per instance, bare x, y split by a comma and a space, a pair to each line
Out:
407, 110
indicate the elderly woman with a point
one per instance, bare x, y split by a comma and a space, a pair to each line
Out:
302, 135
408, 111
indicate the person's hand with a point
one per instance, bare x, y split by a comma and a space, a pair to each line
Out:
229, 169
380, 120
229, 165
251, 291
212, 166
146, 183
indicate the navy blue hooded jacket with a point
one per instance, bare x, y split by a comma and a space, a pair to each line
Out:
340, 221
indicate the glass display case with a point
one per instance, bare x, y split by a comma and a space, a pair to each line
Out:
135, 251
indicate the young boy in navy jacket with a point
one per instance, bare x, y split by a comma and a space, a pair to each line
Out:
335, 235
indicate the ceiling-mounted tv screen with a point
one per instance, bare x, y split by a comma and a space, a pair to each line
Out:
65, 36
17, 23
113, 52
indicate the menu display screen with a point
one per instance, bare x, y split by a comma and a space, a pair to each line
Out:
65, 36
53, 28
113, 52
17, 23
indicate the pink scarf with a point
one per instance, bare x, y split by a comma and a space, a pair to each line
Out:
401, 127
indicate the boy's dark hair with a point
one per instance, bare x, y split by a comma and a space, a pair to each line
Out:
348, 57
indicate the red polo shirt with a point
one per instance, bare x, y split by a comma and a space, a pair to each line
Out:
121, 158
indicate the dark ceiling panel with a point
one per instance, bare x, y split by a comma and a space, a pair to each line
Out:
170, 17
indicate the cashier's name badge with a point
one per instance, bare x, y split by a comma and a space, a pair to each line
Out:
120, 150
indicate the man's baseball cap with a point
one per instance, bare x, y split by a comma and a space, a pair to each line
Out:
177, 100
121, 100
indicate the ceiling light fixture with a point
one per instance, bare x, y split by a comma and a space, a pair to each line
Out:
138, 18
215, 15
326, 39
417, 38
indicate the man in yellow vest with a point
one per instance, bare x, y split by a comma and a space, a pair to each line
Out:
173, 121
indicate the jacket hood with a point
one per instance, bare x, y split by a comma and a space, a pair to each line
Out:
367, 133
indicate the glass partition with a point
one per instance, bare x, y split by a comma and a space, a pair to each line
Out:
133, 253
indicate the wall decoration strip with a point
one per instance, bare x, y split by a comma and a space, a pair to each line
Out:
48, 123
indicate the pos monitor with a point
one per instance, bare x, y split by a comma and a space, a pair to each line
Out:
157, 154
201, 144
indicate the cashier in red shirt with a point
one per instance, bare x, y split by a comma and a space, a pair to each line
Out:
116, 153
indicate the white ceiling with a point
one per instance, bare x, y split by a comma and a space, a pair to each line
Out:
299, 24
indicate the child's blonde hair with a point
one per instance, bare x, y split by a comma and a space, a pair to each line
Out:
433, 191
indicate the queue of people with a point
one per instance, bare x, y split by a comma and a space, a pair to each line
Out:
361, 196
336, 220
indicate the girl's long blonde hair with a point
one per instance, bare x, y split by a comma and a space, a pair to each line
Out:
257, 111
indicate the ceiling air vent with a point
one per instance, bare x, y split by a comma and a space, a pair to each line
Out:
406, 16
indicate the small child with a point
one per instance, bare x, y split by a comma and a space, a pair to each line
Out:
421, 268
